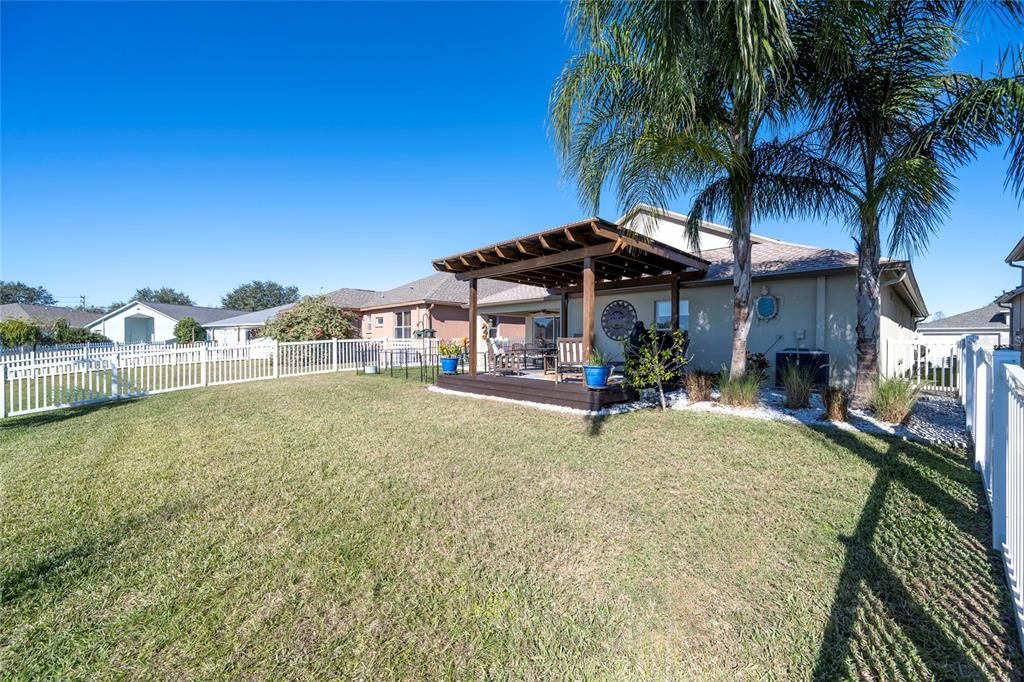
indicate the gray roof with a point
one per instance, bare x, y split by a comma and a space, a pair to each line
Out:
200, 314
351, 298
257, 318
47, 314
987, 317
441, 287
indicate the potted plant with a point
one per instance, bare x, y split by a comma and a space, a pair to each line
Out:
597, 370
450, 352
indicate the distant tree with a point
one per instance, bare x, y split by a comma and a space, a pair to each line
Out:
162, 295
189, 331
16, 332
113, 306
257, 295
19, 292
937, 315
314, 318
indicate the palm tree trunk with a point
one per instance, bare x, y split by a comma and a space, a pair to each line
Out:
741, 289
869, 313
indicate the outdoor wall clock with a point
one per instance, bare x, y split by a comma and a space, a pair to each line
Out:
617, 319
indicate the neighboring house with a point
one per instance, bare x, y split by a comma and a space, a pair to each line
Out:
989, 323
435, 302
47, 314
1013, 301
141, 322
806, 296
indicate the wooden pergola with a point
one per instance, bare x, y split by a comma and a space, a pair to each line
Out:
580, 257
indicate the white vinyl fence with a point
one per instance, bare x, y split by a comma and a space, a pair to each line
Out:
933, 366
993, 398
51, 380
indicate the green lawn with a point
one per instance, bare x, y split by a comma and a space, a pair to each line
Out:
362, 527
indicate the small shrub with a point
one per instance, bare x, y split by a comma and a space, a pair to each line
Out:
312, 319
742, 391
894, 398
837, 404
655, 361
189, 331
14, 333
62, 332
698, 385
798, 384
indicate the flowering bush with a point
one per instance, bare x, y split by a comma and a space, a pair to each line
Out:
312, 319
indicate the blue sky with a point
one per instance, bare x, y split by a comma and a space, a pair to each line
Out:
200, 146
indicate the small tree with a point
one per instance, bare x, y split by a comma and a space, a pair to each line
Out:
19, 292
312, 319
14, 333
657, 359
189, 331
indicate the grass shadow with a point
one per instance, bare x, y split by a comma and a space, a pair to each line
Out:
61, 414
919, 594
75, 563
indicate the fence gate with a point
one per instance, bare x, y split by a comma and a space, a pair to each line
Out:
932, 366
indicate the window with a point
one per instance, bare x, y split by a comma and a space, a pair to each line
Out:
403, 325
663, 315
545, 329
380, 321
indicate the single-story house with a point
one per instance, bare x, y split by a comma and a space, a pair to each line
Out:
593, 279
47, 314
436, 302
1013, 300
989, 323
144, 322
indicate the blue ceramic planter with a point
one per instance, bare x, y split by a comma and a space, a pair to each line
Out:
597, 375
449, 365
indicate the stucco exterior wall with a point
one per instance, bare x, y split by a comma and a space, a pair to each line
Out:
450, 321
114, 327
814, 313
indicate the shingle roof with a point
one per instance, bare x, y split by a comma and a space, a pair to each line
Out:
46, 313
198, 313
351, 298
254, 319
441, 286
987, 317
778, 258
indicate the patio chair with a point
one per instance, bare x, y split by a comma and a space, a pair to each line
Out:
570, 357
504, 361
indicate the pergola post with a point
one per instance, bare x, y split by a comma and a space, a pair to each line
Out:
474, 332
588, 307
563, 316
675, 304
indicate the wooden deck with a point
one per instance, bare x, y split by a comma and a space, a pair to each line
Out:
574, 394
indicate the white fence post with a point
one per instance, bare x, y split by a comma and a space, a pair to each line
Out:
204, 361
3, 391
115, 376
334, 355
999, 441
276, 361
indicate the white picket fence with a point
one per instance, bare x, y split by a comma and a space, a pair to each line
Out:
28, 355
933, 366
69, 378
993, 399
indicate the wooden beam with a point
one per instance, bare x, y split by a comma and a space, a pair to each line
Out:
653, 248
474, 333
548, 243
528, 249
658, 280
563, 316
588, 307
502, 253
675, 304
490, 260
540, 262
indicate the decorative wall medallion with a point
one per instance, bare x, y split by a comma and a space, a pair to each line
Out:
618, 319
766, 305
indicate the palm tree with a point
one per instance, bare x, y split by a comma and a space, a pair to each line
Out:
667, 97
881, 97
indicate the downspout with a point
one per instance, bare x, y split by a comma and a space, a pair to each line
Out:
899, 280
